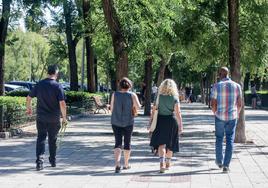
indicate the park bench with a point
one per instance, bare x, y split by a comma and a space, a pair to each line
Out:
99, 105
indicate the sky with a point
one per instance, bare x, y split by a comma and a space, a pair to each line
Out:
48, 18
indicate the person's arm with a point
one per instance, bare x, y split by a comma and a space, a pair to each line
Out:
214, 105
214, 100
239, 100
31, 95
63, 110
29, 105
112, 103
177, 110
62, 103
239, 105
136, 101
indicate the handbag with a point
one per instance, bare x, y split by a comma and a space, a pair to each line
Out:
155, 116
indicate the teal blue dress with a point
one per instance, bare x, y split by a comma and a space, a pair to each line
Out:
166, 131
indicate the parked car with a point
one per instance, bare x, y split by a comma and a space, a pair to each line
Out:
11, 87
26, 84
66, 86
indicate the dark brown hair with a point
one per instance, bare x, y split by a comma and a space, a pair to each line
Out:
125, 83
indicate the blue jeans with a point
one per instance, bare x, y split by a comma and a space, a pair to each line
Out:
227, 127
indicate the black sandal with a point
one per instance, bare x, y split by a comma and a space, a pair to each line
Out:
117, 169
126, 167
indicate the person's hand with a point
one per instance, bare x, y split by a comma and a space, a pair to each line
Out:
64, 121
180, 130
29, 111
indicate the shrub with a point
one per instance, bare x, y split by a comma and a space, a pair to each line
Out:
259, 92
80, 99
14, 108
14, 111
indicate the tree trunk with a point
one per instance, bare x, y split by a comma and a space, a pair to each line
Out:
119, 42
206, 85
257, 81
3, 34
202, 86
246, 81
148, 82
96, 72
71, 47
168, 73
209, 92
90, 67
162, 68
89, 49
234, 60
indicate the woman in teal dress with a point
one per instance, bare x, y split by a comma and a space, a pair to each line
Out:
165, 137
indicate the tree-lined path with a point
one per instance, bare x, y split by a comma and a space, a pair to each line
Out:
85, 158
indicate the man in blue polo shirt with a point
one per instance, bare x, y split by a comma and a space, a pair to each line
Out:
50, 105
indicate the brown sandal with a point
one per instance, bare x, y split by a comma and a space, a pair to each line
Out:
126, 167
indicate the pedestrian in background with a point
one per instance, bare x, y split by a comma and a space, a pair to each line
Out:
226, 105
165, 137
123, 103
254, 96
50, 105
154, 92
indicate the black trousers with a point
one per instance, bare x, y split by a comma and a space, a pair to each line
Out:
45, 129
119, 132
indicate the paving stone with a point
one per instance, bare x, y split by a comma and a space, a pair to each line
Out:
85, 158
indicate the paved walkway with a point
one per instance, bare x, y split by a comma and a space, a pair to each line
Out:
85, 158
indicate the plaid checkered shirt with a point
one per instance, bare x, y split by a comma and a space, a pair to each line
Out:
226, 92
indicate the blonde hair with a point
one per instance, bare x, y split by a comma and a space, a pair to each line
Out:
168, 87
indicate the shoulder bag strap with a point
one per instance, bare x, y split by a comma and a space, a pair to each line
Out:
157, 102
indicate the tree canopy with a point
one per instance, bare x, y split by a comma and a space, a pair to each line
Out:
188, 37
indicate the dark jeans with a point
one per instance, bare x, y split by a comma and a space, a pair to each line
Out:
119, 132
44, 129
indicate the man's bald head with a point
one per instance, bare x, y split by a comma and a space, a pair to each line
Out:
224, 71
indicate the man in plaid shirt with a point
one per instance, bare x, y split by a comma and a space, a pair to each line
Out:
226, 98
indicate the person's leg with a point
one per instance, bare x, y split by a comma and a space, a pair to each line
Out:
127, 141
41, 138
230, 134
53, 130
118, 145
169, 155
219, 133
162, 157
40, 144
254, 102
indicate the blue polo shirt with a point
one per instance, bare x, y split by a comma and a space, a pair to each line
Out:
49, 93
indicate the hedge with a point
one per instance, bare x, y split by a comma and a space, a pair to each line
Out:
78, 101
13, 110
